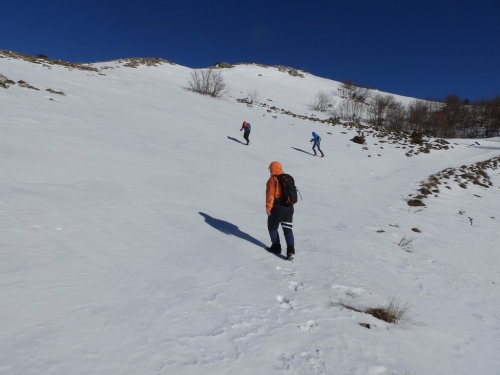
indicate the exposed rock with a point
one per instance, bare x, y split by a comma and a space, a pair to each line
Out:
26, 85
56, 92
292, 71
221, 65
256, 64
134, 62
45, 61
3, 81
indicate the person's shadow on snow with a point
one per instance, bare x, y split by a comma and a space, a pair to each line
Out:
305, 152
235, 139
231, 230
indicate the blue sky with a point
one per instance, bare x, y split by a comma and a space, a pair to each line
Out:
418, 48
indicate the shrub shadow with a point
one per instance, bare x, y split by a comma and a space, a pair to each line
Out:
234, 139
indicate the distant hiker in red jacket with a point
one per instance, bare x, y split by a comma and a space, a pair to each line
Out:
246, 127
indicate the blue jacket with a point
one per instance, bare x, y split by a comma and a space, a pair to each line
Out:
316, 138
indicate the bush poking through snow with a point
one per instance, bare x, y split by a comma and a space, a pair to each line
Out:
415, 203
416, 138
393, 311
253, 96
359, 138
208, 82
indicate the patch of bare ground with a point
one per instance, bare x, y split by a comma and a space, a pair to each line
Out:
463, 176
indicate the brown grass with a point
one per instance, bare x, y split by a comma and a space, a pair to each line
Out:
415, 202
393, 311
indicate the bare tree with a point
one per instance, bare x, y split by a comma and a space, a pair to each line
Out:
395, 114
348, 90
208, 82
418, 115
322, 102
360, 94
345, 89
253, 95
377, 111
351, 110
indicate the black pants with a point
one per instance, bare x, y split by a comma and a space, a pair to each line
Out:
246, 135
281, 215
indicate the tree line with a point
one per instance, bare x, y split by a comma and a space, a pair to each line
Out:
449, 118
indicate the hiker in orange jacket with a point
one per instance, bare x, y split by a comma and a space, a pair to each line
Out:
278, 214
246, 127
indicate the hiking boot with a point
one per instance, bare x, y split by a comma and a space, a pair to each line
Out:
290, 252
275, 248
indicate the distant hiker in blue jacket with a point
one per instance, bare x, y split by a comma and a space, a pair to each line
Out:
317, 140
246, 127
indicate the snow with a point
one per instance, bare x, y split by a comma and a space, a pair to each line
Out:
132, 223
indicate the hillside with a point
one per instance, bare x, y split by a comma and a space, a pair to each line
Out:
133, 220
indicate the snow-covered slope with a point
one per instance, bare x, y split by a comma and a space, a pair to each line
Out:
132, 222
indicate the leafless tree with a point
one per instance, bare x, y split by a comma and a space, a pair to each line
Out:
351, 110
418, 115
345, 89
377, 111
253, 95
208, 82
395, 115
348, 90
323, 101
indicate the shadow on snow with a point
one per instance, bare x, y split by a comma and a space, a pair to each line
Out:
305, 152
232, 230
234, 139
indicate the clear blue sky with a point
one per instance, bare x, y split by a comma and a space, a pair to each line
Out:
419, 48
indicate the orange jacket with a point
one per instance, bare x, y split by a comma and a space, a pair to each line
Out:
273, 188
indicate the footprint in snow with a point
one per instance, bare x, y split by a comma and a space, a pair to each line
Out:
285, 303
287, 271
305, 362
295, 286
311, 327
379, 370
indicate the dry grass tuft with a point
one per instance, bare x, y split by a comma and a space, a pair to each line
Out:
393, 311
405, 244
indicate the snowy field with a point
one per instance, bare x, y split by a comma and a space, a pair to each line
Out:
132, 221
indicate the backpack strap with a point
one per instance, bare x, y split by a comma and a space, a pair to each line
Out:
277, 200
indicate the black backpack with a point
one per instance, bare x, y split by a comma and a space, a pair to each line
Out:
288, 190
